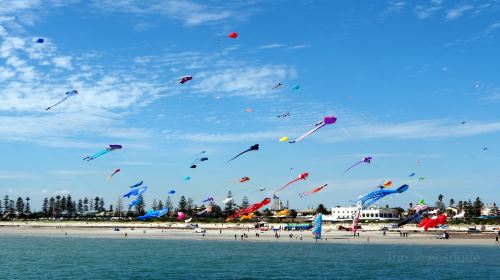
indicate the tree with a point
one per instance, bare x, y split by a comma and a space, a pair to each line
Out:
141, 206
96, 204
119, 207
229, 208
6, 204
440, 197
411, 205
216, 211
79, 207
160, 204
169, 205
478, 206
182, 204
469, 211
154, 205
70, 206
12, 206
52, 206
86, 204
101, 205
45, 207
111, 208
64, 203
19, 205
267, 213
321, 209
460, 206
293, 213
452, 202
27, 208
244, 202
189, 206
57, 205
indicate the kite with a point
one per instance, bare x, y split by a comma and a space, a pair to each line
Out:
369, 199
135, 202
187, 178
154, 214
113, 174
188, 220
262, 189
282, 213
283, 139
68, 95
193, 164
205, 211
227, 200
249, 110
171, 192
430, 223
278, 85
137, 185
364, 160
137, 192
283, 115
385, 184
103, 152
463, 122
420, 210
412, 174
485, 148
315, 190
202, 152
244, 179
247, 217
40, 41
295, 87
252, 208
302, 176
208, 199
326, 121
317, 224
233, 35
180, 215
252, 148
185, 79
419, 179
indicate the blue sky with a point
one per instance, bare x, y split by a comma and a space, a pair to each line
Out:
400, 76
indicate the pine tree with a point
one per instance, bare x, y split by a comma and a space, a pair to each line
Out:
244, 202
6, 204
86, 204
169, 205
478, 206
79, 207
70, 207
160, 204
321, 209
119, 207
452, 202
19, 205
101, 205
182, 205
58, 205
52, 206
154, 205
229, 208
140, 207
45, 207
111, 208
12, 207
64, 203
27, 208
96, 204
189, 206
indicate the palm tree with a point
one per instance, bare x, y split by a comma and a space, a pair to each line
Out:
440, 197
452, 202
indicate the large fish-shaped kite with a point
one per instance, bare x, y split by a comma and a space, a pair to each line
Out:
154, 214
68, 95
326, 121
137, 184
103, 152
364, 160
135, 202
315, 190
302, 176
185, 79
137, 192
193, 164
252, 208
252, 148
171, 192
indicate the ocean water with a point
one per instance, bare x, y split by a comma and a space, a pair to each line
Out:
101, 258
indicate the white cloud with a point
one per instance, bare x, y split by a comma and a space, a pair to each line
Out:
62, 62
271, 46
457, 12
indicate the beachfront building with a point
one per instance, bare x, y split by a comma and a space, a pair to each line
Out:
490, 211
277, 204
373, 213
306, 213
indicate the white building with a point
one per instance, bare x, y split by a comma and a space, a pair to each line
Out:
372, 213
277, 204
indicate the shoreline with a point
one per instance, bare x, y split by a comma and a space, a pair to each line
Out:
234, 232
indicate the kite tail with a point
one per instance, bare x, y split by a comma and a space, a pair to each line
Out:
287, 184
307, 133
50, 107
98, 155
238, 155
352, 166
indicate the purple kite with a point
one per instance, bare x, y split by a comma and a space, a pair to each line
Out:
185, 79
364, 160
325, 121
252, 148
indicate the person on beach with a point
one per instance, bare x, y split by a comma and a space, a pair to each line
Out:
220, 231
235, 237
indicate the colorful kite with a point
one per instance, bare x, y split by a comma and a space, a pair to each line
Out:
103, 152
137, 185
185, 79
187, 178
137, 192
154, 214
171, 192
135, 202
252, 148
385, 184
420, 210
247, 217
364, 160
181, 216
326, 121
282, 213
227, 200
302, 176
252, 208
283, 139
369, 199
40, 41
315, 190
113, 174
317, 225
283, 115
193, 164
233, 35
244, 179
430, 223
209, 199
68, 95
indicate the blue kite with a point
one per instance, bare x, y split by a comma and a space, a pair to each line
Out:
137, 185
68, 95
154, 214
171, 192
103, 152
137, 192
317, 224
135, 202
